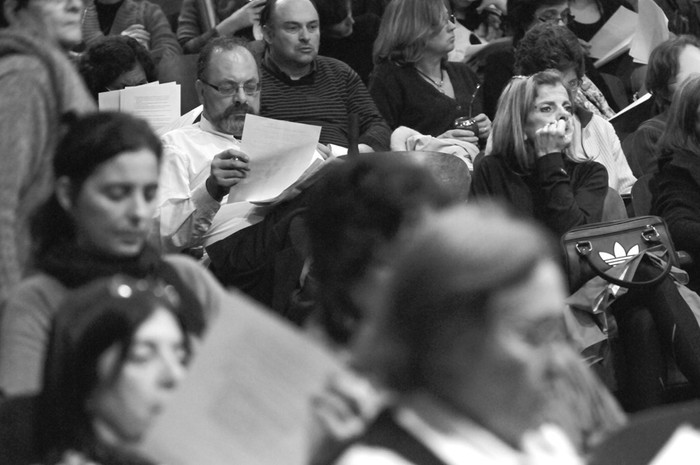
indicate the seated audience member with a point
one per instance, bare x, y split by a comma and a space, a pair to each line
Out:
483, 20
195, 27
347, 38
549, 46
413, 84
670, 63
203, 161
677, 196
499, 58
118, 348
589, 16
530, 166
140, 19
471, 337
357, 215
38, 86
300, 86
114, 63
94, 225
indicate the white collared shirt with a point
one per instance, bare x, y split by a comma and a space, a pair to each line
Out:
455, 439
187, 216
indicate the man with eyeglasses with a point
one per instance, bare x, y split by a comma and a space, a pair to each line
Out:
203, 161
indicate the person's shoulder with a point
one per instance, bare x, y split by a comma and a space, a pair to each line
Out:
333, 65
39, 293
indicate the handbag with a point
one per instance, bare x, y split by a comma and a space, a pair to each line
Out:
592, 250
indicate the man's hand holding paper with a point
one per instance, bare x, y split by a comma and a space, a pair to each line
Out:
228, 168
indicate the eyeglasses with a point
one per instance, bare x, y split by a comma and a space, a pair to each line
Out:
551, 16
228, 89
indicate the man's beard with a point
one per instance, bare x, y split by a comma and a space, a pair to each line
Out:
232, 119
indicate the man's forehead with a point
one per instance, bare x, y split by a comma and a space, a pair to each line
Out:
237, 61
301, 11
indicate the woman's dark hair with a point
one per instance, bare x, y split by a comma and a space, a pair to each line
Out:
332, 12
521, 13
90, 320
663, 68
355, 208
90, 141
106, 60
681, 134
549, 46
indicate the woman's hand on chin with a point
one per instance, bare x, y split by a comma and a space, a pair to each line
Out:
553, 137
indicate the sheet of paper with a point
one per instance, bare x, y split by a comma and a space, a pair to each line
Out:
681, 449
615, 36
247, 396
279, 153
631, 106
108, 101
159, 104
231, 218
651, 31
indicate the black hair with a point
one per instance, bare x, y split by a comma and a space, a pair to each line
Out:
110, 57
90, 141
549, 46
663, 68
521, 13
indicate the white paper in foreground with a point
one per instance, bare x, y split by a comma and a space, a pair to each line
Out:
247, 397
652, 30
615, 36
681, 449
279, 153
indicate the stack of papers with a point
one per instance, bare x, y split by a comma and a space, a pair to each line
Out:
157, 103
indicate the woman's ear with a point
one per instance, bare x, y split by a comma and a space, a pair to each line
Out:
64, 193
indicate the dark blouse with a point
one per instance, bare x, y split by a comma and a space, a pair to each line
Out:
406, 99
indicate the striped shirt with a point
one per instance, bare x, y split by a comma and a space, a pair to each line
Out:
324, 97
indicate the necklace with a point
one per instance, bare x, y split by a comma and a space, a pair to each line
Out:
437, 84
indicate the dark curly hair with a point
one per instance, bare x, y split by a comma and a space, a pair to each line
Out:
521, 13
549, 46
109, 58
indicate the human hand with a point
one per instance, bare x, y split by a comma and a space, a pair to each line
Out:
586, 46
138, 32
325, 150
554, 137
499, 4
245, 16
460, 134
228, 168
484, 124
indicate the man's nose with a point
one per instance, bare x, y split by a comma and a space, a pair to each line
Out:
240, 95
304, 34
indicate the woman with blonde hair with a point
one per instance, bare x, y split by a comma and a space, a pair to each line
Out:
413, 84
529, 166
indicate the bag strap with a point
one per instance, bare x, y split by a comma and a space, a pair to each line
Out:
584, 249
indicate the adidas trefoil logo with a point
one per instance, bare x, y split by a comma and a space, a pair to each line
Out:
620, 254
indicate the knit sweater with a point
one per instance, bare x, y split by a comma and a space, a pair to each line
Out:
325, 97
559, 193
38, 85
149, 15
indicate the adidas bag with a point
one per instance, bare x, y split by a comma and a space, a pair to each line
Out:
595, 248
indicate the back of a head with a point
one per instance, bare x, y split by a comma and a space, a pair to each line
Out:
549, 46
680, 134
332, 12
110, 57
664, 66
440, 289
90, 320
360, 205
